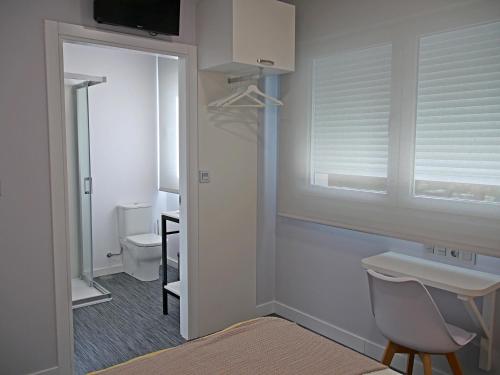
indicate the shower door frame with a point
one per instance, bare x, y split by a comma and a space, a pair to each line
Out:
84, 182
57, 33
85, 196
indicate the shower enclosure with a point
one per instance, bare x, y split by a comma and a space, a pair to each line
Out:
85, 290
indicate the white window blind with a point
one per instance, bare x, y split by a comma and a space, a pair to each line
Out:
168, 121
350, 120
457, 153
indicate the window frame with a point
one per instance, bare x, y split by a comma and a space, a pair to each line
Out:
402, 128
388, 197
408, 198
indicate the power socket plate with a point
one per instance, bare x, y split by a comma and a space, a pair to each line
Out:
453, 255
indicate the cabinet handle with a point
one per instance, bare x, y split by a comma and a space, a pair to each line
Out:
265, 62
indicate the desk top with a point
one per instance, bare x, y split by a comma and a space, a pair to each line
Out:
459, 280
172, 214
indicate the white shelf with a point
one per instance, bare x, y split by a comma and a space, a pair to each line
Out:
174, 214
174, 288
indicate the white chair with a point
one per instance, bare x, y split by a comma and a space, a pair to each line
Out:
408, 317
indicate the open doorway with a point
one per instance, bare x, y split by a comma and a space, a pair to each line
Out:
122, 147
56, 36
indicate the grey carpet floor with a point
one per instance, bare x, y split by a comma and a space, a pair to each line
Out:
130, 325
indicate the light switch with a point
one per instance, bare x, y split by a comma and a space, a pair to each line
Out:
204, 177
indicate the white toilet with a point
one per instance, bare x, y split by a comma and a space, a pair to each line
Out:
141, 247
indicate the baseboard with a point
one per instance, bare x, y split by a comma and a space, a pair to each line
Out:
322, 327
108, 270
266, 308
342, 336
119, 268
49, 371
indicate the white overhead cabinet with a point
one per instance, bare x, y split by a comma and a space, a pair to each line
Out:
240, 36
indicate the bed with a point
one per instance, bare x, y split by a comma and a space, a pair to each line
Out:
260, 346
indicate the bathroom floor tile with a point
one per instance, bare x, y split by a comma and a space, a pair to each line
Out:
131, 324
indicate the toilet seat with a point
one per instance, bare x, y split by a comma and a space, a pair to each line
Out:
145, 240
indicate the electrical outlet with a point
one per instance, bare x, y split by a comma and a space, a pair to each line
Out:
453, 255
204, 177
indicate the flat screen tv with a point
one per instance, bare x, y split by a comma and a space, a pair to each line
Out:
155, 16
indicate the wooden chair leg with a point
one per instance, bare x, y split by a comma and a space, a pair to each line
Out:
454, 364
389, 352
409, 364
427, 363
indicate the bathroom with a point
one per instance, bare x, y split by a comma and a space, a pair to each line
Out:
122, 154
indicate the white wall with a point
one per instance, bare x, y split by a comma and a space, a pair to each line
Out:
123, 138
227, 148
319, 278
26, 270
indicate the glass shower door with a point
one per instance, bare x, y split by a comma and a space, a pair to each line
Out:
85, 182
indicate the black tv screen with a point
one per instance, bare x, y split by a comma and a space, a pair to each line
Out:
157, 16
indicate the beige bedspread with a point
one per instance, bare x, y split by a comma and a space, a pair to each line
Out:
260, 346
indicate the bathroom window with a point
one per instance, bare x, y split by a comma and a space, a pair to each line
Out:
168, 123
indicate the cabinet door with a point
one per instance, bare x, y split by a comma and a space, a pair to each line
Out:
264, 34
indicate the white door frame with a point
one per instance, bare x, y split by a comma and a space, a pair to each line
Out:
56, 34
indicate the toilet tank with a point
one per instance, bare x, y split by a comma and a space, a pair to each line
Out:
135, 218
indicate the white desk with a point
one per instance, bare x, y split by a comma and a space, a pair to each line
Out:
467, 284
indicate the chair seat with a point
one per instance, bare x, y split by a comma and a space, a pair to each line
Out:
459, 335
408, 316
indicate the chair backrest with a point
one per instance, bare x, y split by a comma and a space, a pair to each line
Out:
407, 315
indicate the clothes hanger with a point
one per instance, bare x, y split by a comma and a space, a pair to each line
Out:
244, 95
252, 89
220, 102
251, 93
